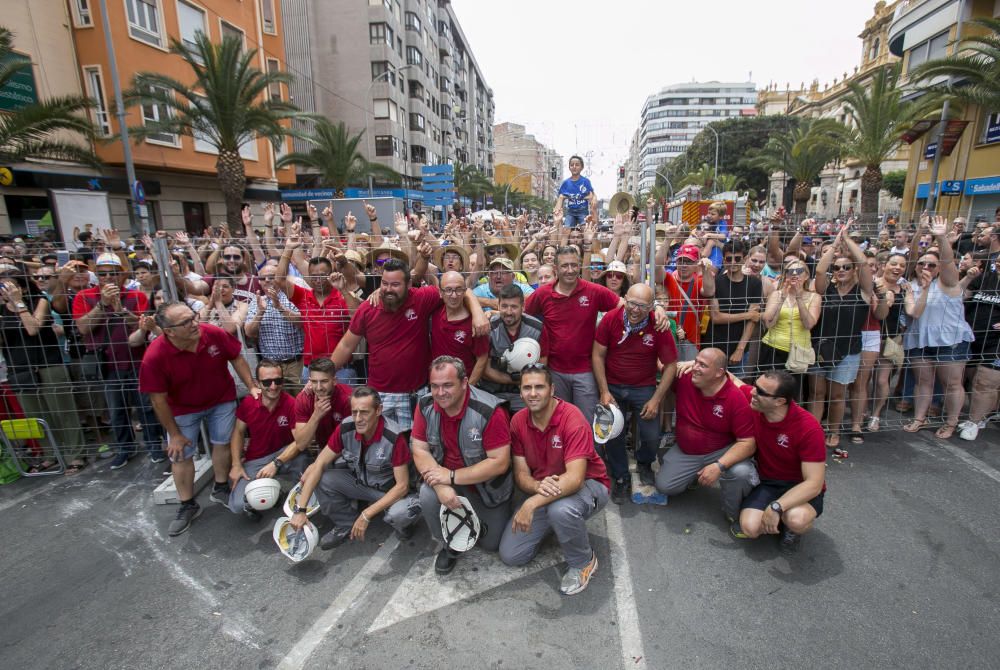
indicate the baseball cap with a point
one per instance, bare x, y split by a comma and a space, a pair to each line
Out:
689, 251
807, 240
110, 259
616, 266
505, 262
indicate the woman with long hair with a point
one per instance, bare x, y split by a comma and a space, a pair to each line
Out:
891, 289
791, 313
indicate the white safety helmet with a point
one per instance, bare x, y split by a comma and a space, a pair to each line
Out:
292, 500
608, 423
522, 352
461, 527
262, 494
297, 545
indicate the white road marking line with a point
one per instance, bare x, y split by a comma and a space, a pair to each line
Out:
933, 448
628, 615
423, 590
298, 655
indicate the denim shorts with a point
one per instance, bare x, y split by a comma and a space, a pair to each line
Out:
770, 490
844, 372
956, 353
221, 420
574, 219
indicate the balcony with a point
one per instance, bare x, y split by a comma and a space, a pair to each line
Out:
917, 20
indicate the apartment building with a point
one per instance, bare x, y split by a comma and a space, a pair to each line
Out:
532, 167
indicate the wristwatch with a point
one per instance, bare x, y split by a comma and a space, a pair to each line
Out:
776, 507
722, 468
276, 462
302, 510
20, 307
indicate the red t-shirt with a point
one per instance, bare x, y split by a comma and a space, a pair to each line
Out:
709, 423
323, 325
782, 447
454, 338
633, 362
400, 450
495, 435
570, 322
399, 349
193, 380
568, 437
113, 342
689, 320
340, 408
269, 431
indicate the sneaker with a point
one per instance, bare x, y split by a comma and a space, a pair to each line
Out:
120, 460
185, 515
220, 494
104, 451
789, 541
646, 474
251, 513
157, 456
968, 430
334, 538
445, 561
576, 579
620, 490
737, 532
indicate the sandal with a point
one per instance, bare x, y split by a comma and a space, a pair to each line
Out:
857, 437
833, 441
915, 425
873, 424
75, 467
945, 431
43, 466
840, 453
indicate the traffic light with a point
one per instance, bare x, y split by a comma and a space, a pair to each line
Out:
621, 172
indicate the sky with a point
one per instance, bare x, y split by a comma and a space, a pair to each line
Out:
577, 73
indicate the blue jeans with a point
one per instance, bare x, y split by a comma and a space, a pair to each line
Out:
574, 219
121, 392
632, 398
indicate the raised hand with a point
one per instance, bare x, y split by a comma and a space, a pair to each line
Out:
370, 210
286, 213
350, 223
400, 224
939, 227
328, 215
268, 214
247, 216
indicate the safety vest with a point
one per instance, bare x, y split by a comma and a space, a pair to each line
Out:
376, 472
500, 342
470, 440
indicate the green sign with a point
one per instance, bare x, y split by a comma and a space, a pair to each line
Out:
19, 91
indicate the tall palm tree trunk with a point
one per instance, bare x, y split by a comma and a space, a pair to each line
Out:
800, 197
232, 180
871, 184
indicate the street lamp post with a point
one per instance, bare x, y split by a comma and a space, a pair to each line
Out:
506, 191
715, 176
389, 70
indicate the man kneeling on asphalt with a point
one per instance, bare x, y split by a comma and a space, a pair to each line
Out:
791, 460
714, 435
461, 447
566, 481
375, 472
270, 449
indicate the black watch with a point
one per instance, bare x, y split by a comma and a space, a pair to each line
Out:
776, 507
302, 510
277, 463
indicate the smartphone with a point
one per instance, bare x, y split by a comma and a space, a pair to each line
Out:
62, 257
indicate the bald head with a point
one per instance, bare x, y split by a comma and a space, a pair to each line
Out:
638, 303
709, 371
452, 278
640, 293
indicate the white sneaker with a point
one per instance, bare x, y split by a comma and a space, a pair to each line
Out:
968, 430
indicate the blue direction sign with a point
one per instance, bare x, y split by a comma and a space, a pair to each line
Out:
438, 185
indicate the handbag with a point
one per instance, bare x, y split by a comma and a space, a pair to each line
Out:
892, 350
799, 358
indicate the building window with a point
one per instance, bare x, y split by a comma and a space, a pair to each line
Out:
274, 88
991, 129
386, 109
191, 21
416, 90
386, 145
267, 17
380, 33
144, 21
229, 30
154, 112
935, 47
413, 56
413, 22
418, 154
81, 12
873, 53
379, 69
95, 88
417, 121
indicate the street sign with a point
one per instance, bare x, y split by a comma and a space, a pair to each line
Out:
952, 187
19, 91
139, 193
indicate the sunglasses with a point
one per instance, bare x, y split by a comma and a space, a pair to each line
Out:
106, 273
382, 261
761, 392
734, 259
925, 264
232, 257
272, 382
842, 268
795, 272
612, 275
495, 251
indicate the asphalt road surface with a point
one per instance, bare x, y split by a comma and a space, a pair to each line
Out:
901, 571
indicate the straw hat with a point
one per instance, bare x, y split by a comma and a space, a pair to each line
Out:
513, 251
455, 248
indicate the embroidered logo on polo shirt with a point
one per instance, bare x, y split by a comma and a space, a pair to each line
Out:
380, 454
213, 351
282, 420
475, 435
584, 301
717, 411
647, 340
557, 442
460, 336
411, 315
783, 441
337, 416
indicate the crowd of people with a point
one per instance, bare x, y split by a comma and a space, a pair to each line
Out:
375, 367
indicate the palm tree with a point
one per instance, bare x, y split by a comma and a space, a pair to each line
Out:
802, 152
973, 67
28, 132
227, 105
701, 177
878, 116
470, 182
727, 182
336, 158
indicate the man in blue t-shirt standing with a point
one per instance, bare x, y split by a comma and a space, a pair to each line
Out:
577, 194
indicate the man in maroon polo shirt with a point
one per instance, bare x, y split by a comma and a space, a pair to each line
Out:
556, 465
320, 406
568, 308
715, 435
324, 310
451, 329
186, 374
395, 323
262, 445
